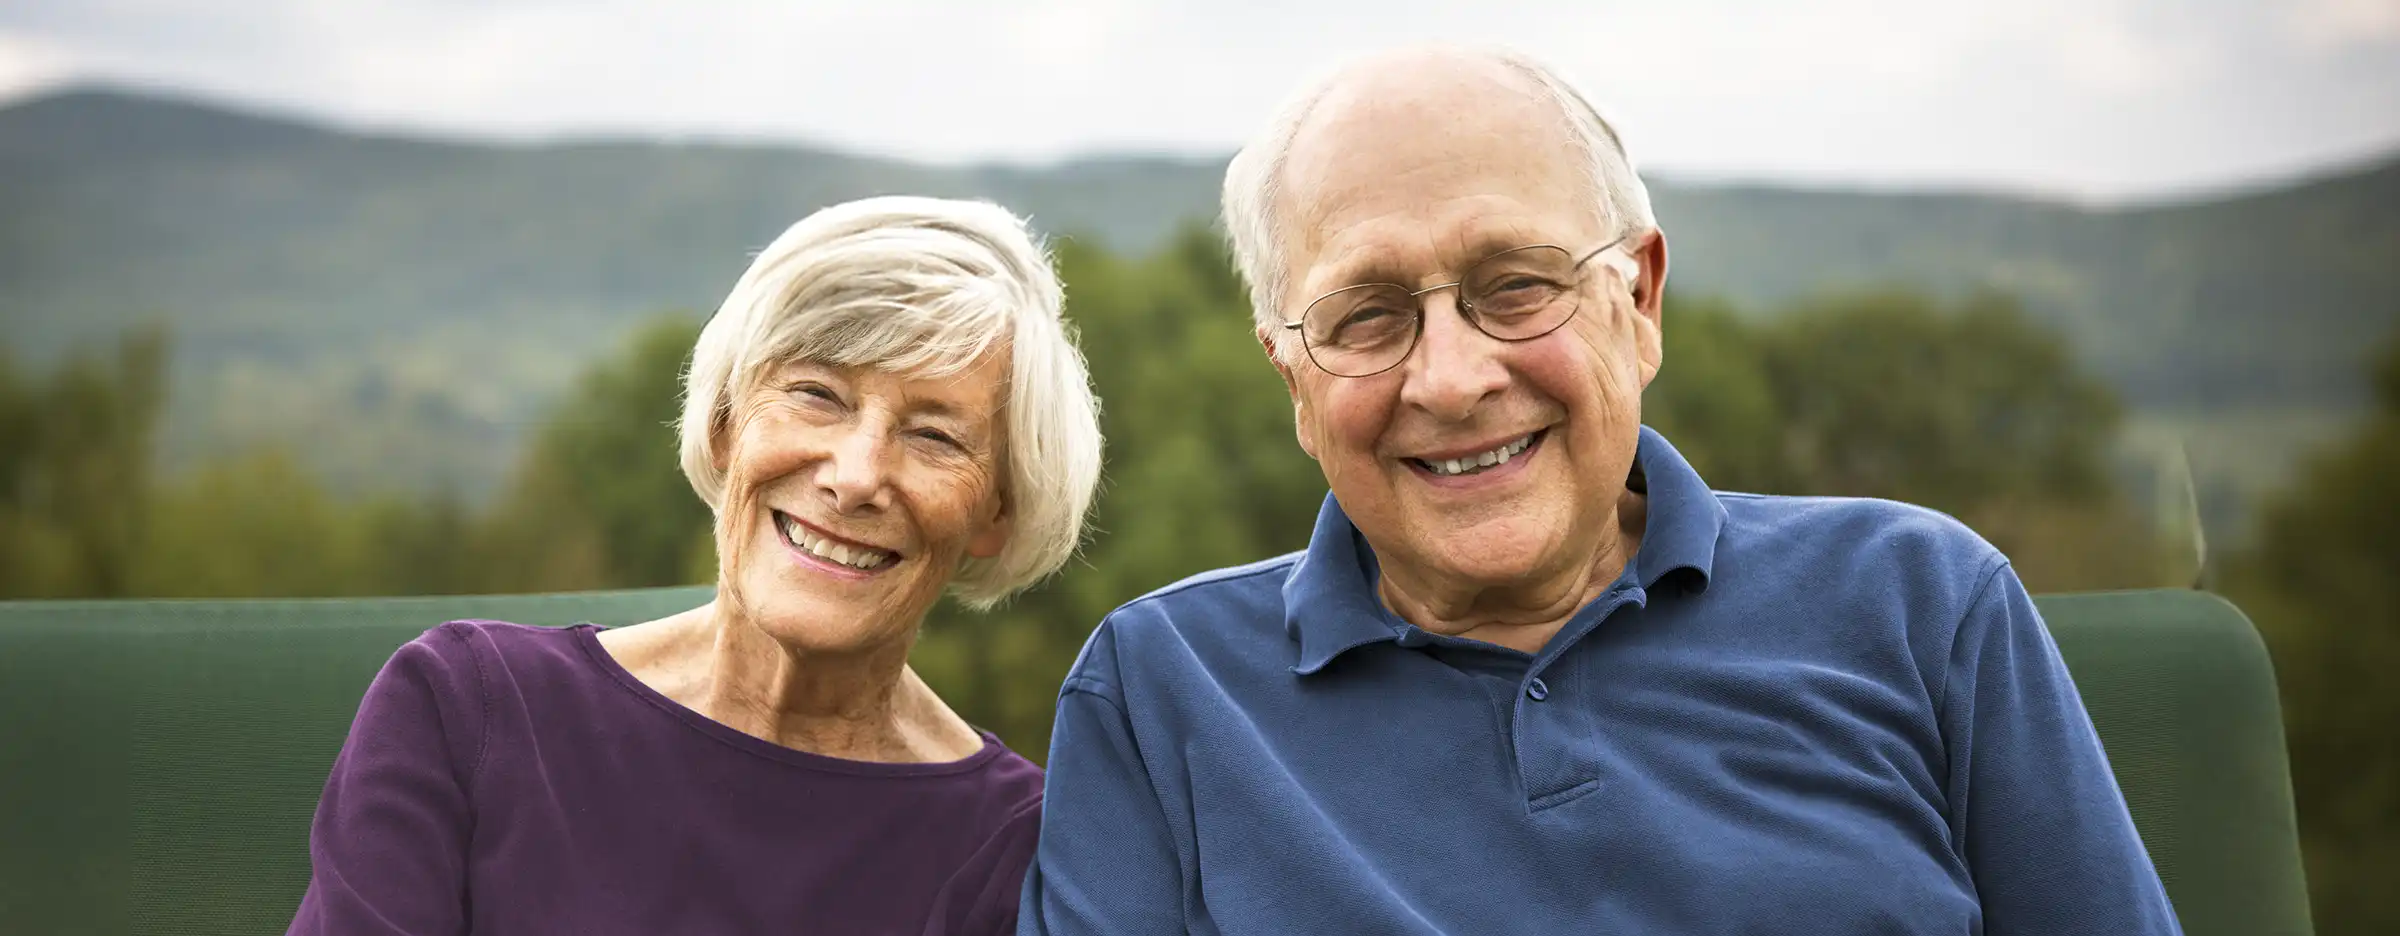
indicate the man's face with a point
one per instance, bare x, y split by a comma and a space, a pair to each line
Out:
1411, 178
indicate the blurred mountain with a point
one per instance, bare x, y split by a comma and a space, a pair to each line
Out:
399, 308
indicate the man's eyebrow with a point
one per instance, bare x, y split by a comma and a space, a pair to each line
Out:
1371, 265
1358, 266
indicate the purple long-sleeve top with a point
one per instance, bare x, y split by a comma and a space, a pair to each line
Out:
510, 779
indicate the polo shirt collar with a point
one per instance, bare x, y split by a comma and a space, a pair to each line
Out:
1329, 601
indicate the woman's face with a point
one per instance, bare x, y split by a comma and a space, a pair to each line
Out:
852, 495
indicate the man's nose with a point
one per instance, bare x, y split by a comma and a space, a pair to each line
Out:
1455, 365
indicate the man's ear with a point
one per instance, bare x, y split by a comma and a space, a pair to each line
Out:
1291, 385
1650, 288
1649, 302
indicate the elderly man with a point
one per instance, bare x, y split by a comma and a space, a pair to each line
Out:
1531, 675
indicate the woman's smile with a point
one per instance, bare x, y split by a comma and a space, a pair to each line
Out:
819, 549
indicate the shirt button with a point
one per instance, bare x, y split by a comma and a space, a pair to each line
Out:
1536, 691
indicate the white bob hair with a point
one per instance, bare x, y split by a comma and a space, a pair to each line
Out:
1254, 180
924, 287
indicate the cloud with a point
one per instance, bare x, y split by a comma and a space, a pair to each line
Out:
2334, 25
28, 65
2105, 97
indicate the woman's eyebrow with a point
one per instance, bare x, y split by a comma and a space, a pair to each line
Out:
961, 417
937, 408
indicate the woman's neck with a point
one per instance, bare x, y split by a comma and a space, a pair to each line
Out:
867, 705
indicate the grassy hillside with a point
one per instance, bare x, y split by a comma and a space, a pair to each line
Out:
407, 306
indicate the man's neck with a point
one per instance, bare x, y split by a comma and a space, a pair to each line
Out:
1519, 616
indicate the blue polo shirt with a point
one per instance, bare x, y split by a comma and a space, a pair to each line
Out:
1788, 715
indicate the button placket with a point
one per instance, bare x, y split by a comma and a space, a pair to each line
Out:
1554, 744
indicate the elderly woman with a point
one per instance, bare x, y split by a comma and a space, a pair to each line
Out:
888, 406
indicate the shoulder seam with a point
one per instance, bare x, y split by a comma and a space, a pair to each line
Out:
1983, 590
1262, 567
1096, 688
483, 697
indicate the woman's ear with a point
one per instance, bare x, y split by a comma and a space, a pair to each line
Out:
991, 533
720, 439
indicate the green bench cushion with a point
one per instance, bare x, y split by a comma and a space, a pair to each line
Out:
162, 758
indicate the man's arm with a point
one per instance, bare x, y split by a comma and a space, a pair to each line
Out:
2033, 805
388, 849
1107, 864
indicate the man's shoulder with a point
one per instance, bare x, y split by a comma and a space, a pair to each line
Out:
1197, 618
1241, 583
1850, 520
1831, 539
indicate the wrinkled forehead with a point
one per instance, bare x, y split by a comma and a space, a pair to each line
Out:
976, 389
1390, 172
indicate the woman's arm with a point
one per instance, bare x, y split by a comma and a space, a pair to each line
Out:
388, 848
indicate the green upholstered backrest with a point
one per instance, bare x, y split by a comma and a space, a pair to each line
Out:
159, 760
2179, 685
162, 758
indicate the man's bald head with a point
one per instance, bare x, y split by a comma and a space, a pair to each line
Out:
1425, 100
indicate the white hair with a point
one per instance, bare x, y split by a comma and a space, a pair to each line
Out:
926, 287
1254, 180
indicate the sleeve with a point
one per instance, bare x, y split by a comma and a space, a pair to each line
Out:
387, 850
981, 899
2035, 810
1107, 863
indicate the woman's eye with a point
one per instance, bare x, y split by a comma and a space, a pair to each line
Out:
939, 437
818, 390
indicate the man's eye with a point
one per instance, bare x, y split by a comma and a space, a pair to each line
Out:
1366, 315
1517, 296
1369, 324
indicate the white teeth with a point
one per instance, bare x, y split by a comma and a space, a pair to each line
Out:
857, 557
1498, 456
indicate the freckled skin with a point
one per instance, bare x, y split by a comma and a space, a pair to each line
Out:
1409, 171
812, 657
853, 452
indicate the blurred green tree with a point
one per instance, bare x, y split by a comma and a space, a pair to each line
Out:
1969, 408
2323, 582
600, 499
75, 469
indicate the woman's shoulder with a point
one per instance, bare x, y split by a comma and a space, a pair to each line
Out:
1011, 777
490, 642
474, 659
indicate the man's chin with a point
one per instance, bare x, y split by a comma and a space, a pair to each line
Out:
1494, 562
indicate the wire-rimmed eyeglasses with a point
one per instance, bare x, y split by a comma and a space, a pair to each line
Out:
1515, 295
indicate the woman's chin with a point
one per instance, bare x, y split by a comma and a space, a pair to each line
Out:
827, 616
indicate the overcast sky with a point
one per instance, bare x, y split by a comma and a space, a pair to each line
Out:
2104, 99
